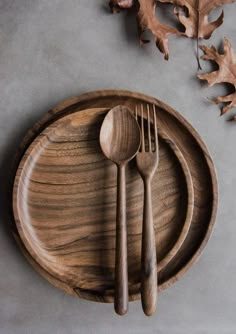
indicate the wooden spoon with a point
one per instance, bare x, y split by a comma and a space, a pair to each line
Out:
120, 141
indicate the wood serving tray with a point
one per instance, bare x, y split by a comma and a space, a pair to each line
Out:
64, 198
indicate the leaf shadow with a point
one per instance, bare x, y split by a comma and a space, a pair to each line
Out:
128, 26
105, 8
165, 13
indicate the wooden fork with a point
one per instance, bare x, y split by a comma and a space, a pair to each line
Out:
147, 160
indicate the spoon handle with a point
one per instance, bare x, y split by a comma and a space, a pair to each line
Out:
148, 262
121, 269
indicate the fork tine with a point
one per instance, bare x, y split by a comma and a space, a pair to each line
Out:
142, 131
155, 128
149, 130
136, 112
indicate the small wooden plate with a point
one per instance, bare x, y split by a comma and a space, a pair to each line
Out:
65, 205
199, 162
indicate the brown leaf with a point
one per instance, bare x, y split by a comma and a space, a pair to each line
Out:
225, 74
147, 20
196, 20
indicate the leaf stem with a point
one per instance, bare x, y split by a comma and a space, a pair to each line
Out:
198, 58
198, 17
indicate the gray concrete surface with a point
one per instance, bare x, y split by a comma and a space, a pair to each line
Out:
50, 50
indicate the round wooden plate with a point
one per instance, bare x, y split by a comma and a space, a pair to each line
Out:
199, 162
65, 205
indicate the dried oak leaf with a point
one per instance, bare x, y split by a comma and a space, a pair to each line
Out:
225, 74
195, 18
147, 20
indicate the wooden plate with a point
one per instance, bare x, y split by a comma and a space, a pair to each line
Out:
200, 165
65, 205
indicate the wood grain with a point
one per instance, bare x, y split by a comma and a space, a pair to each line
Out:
65, 204
203, 177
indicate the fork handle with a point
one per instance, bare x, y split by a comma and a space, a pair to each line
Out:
121, 268
149, 282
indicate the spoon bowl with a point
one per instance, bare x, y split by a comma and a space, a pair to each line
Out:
120, 135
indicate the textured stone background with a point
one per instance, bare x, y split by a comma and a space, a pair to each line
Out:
50, 50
